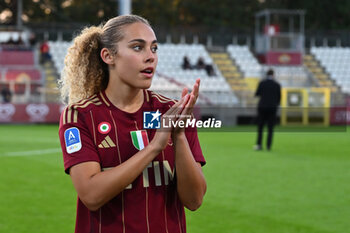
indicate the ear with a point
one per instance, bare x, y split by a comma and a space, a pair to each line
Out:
107, 56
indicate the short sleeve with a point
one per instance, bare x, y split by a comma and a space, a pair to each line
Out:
76, 142
192, 138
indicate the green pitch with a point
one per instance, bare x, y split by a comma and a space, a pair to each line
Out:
299, 187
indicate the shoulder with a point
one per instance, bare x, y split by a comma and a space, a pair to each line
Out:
276, 83
263, 82
160, 100
270, 82
77, 110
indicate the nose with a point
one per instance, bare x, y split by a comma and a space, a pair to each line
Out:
150, 56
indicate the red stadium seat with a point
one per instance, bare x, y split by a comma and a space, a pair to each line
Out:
16, 58
20, 75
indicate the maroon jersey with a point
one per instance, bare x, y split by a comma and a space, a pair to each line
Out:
95, 130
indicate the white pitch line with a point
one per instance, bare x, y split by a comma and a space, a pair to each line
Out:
32, 152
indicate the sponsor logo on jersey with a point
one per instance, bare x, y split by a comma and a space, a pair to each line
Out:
72, 139
107, 143
151, 120
139, 139
104, 127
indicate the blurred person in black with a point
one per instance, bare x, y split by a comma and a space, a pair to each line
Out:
6, 95
186, 65
32, 40
207, 67
200, 63
269, 92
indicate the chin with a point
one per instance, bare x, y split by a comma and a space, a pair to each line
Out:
146, 85
143, 86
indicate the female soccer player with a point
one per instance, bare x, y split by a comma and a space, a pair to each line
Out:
128, 178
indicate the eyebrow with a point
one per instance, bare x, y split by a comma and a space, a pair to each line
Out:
141, 41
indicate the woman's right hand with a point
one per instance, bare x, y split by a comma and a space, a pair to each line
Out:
162, 136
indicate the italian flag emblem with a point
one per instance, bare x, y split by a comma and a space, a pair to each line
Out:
139, 139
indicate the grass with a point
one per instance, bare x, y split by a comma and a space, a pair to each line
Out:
301, 186
35, 194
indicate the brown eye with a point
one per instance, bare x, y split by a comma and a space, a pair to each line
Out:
154, 49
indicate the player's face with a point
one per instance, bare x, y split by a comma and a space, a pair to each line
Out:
136, 59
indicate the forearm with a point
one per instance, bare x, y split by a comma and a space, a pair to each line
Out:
100, 187
191, 184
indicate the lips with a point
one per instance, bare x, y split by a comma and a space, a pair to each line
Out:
148, 72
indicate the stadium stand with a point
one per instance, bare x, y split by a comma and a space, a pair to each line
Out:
245, 60
291, 76
58, 50
319, 74
214, 89
170, 77
20, 72
6, 36
237, 71
250, 71
13, 57
336, 63
288, 76
234, 77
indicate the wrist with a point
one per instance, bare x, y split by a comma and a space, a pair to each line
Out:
179, 135
155, 147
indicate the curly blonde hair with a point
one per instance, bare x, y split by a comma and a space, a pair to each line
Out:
85, 73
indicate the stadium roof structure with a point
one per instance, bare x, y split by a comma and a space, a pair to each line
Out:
280, 31
268, 14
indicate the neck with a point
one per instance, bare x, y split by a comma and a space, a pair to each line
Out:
126, 99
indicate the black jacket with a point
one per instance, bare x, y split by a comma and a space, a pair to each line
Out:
269, 92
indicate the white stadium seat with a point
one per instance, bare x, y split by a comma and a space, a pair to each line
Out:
171, 78
245, 60
336, 62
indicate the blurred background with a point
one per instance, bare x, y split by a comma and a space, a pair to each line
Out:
229, 44
301, 186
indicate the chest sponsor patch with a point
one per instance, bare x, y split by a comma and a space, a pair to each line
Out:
72, 139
